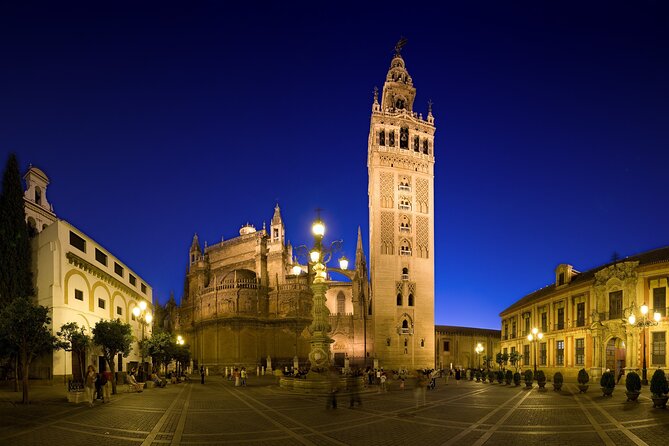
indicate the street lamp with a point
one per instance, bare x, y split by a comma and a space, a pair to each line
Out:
180, 341
319, 354
478, 350
144, 317
642, 324
535, 337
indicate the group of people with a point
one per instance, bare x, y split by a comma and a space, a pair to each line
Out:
239, 376
97, 386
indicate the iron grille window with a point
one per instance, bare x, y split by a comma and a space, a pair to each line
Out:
447, 346
616, 305
526, 354
660, 300
544, 322
559, 353
119, 311
77, 242
659, 348
513, 330
101, 303
580, 351
132, 279
506, 331
118, 269
560, 321
542, 353
79, 295
580, 314
144, 289
527, 326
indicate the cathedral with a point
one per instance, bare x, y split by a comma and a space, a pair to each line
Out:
245, 303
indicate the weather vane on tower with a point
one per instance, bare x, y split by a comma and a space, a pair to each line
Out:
400, 44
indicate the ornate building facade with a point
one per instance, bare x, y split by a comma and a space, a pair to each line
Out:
584, 318
242, 304
401, 224
456, 346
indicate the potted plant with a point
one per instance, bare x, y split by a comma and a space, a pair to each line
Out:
470, 373
516, 379
529, 377
491, 376
608, 383
633, 386
659, 389
477, 375
558, 379
541, 379
500, 376
508, 377
583, 379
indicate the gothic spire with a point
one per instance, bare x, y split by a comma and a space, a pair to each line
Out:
276, 218
195, 246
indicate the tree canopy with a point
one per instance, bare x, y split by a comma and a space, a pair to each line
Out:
24, 328
15, 275
74, 339
114, 337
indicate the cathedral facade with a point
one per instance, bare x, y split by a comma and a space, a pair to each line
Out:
243, 303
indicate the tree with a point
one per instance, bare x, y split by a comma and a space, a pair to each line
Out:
161, 346
486, 361
15, 275
113, 337
74, 339
514, 359
24, 329
182, 355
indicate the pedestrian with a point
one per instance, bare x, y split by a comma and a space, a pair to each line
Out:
202, 374
333, 382
383, 382
90, 385
353, 383
243, 376
457, 376
106, 386
401, 383
237, 377
98, 386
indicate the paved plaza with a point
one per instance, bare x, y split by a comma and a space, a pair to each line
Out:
467, 413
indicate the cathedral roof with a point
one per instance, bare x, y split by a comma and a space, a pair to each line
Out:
659, 255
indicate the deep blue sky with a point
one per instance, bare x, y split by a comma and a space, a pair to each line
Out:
156, 121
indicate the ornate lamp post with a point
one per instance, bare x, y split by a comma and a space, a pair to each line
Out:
478, 350
319, 355
144, 317
642, 324
535, 337
180, 341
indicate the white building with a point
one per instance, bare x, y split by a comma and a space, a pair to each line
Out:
81, 281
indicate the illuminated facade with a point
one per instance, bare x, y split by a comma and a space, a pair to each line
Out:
79, 280
584, 318
401, 224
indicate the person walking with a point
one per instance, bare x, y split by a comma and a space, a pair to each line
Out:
90, 385
243, 376
457, 376
106, 386
202, 374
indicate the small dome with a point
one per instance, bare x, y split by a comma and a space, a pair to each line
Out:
248, 228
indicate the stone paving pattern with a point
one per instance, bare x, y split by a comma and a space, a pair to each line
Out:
467, 413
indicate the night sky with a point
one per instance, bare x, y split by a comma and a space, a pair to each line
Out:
552, 118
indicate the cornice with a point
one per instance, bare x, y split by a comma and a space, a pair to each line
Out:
103, 275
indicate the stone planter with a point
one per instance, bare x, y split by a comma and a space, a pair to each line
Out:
660, 402
582, 388
632, 396
75, 397
607, 391
557, 387
542, 385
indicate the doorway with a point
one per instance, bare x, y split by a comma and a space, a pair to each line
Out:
615, 355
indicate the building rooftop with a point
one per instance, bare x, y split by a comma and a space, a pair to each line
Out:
659, 255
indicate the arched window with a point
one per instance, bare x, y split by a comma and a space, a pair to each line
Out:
405, 204
422, 342
405, 224
341, 303
411, 300
391, 138
38, 196
404, 184
399, 299
425, 146
405, 324
404, 138
416, 144
405, 273
405, 248
382, 138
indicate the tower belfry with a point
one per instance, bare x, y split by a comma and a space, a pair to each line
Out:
401, 223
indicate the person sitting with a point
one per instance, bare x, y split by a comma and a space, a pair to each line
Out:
137, 387
157, 380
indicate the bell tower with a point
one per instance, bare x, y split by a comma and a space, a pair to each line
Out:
401, 223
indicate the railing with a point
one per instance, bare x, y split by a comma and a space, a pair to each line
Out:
293, 287
233, 284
